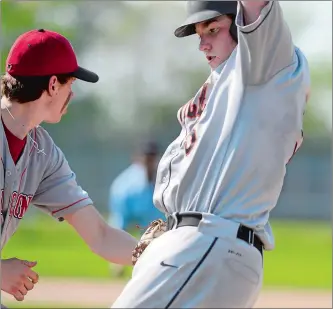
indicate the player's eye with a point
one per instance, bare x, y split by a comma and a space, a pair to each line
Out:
214, 30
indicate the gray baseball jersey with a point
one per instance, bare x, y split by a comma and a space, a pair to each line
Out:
240, 130
42, 178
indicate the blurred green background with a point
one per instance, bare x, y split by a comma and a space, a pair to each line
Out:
302, 258
146, 74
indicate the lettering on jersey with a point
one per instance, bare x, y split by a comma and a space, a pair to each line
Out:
202, 100
190, 141
192, 110
195, 110
182, 112
12, 201
18, 204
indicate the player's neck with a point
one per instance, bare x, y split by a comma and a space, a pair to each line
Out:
18, 118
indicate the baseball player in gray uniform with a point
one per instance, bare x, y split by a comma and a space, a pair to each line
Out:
37, 87
218, 181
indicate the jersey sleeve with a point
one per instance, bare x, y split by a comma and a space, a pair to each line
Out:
59, 193
266, 45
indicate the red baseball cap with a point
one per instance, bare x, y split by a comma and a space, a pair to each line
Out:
43, 53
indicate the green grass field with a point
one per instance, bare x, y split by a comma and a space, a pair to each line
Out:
302, 258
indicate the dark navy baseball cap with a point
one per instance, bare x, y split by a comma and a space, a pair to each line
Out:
200, 11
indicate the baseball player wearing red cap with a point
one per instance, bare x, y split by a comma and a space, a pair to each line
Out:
37, 87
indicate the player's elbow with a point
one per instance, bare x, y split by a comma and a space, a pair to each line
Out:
252, 10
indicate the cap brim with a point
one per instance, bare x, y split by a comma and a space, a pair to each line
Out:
86, 75
188, 27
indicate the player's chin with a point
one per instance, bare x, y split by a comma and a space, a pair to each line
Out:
54, 119
213, 67
214, 64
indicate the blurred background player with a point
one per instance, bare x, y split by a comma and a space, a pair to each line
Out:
131, 194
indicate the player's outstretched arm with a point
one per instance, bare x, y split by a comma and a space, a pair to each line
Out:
59, 195
114, 245
264, 39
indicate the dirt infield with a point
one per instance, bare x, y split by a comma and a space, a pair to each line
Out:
101, 294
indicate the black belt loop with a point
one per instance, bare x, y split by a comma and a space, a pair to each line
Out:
248, 235
172, 220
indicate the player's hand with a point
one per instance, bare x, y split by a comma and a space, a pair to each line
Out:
17, 277
155, 229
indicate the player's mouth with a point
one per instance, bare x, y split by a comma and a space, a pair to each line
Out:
210, 58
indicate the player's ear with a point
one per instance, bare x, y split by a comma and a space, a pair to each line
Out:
53, 85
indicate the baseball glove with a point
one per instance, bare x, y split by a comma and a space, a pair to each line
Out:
155, 229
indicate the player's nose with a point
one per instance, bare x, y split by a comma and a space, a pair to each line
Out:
204, 46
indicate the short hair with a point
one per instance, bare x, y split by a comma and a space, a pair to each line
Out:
23, 89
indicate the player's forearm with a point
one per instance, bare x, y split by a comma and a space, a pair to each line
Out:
114, 245
252, 10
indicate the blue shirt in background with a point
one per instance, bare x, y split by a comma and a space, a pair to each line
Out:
131, 199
